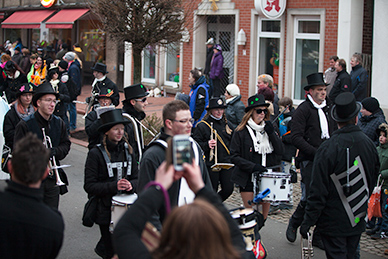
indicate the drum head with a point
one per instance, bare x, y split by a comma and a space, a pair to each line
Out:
237, 213
125, 198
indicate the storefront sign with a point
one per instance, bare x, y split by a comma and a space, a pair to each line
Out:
271, 9
48, 3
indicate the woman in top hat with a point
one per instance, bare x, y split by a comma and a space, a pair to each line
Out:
255, 145
214, 134
103, 179
64, 96
21, 108
39, 71
15, 77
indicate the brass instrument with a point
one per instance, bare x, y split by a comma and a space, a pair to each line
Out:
308, 250
90, 103
211, 155
52, 163
213, 152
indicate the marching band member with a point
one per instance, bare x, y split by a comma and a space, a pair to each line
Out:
216, 148
109, 168
254, 146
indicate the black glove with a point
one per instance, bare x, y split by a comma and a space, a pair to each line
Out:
259, 168
269, 128
87, 100
52, 152
303, 230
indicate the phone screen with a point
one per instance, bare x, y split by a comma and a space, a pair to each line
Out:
183, 152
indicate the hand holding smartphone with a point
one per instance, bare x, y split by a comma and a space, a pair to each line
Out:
179, 151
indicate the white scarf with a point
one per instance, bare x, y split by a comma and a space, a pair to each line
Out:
260, 139
98, 80
54, 84
322, 118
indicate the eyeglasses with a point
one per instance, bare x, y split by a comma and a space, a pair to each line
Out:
50, 101
191, 120
259, 111
141, 100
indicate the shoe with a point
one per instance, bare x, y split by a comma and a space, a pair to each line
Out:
372, 231
274, 210
386, 251
100, 249
318, 243
291, 232
379, 235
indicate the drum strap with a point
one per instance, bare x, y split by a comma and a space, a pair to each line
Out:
118, 165
218, 137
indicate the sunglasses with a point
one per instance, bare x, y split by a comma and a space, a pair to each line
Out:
259, 111
141, 100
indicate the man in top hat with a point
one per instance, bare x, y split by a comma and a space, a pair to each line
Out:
344, 173
45, 99
102, 81
74, 73
93, 121
134, 105
311, 126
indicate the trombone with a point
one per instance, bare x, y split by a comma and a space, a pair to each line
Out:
52, 163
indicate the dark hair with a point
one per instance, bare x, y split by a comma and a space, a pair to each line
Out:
171, 108
267, 93
342, 63
335, 58
29, 159
12, 66
210, 238
285, 101
352, 121
196, 74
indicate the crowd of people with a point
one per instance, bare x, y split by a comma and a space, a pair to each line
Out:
339, 144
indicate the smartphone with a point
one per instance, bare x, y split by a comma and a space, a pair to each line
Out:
182, 151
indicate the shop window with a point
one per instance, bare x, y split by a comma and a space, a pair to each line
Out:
92, 42
149, 69
268, 48
172, 65
306, 53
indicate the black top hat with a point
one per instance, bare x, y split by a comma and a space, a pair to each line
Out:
41, 90
256, 101
100, 67
216, 102
111, 118
135, 91
345, 107
9, 66
314, 80
52, 70
105, 92
25, 88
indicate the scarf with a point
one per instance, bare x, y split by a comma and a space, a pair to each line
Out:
230, 99
259, 137
22, 112
217, 119
16, 75
54, 84
98, 80
322, 118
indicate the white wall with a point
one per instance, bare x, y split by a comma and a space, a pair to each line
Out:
350, 23
379, 66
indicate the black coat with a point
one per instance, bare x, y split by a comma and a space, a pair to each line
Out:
97, 181
202, 136
11, 119
325, 207
342, 84
209, 56
359, 77
108, 84
64, 99
152, 158
29, 228
130, 228
245, 158
11, 86
306, 129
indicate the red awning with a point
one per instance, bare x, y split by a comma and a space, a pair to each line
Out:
26, 19
65, 18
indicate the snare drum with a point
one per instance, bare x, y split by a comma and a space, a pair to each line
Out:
120, 204
279, 184
245, 219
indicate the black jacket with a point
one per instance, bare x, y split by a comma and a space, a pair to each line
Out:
342, 84
306, 129
154, 155
202, 136
209, 55
97, 181
326, 203
235, 111
11, 86
64, 99
359, 77
130, 228
11, 119
244, 157
108, 84
29, 228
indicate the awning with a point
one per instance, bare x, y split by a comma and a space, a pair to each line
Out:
65, 18
26, 19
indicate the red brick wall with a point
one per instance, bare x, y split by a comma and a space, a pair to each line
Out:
368, 27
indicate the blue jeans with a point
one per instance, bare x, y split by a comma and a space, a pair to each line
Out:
73, 115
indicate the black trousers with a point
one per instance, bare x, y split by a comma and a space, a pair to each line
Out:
106, 238
340, 247
217, 88
223, 178
50, 192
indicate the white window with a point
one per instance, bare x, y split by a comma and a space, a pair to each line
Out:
306, 53
172, 64
149, 65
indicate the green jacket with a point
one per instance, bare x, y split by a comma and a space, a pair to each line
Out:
383, 156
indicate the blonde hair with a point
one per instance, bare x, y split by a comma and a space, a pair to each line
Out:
266, 79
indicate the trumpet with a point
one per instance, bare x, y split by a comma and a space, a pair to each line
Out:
212, 136
213, 152
308, 250
52, 163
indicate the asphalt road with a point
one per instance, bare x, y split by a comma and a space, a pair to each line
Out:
80, 241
